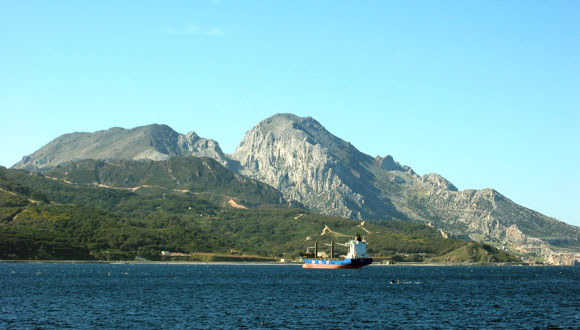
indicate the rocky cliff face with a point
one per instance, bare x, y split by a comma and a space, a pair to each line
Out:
155, 142
308, 164
488, 216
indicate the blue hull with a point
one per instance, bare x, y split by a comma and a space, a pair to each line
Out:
333, 264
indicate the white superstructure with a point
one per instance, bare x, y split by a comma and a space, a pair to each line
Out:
357, 248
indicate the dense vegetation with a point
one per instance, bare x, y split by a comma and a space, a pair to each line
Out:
203, 176
43, 218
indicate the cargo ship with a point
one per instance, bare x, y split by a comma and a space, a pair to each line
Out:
355, 258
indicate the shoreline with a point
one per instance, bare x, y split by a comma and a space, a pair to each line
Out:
251, 263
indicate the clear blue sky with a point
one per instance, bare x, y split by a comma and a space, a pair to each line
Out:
486, 93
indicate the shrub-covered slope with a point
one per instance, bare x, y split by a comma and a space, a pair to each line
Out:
48, 219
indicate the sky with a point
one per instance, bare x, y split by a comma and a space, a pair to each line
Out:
485, 93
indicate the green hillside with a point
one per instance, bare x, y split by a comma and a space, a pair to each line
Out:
43, 218
204, 177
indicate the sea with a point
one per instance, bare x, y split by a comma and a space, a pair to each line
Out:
209, 296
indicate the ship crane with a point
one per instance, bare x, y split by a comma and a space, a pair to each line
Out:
309, 254
331, 248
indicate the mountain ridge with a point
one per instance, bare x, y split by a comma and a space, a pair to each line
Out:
308, 164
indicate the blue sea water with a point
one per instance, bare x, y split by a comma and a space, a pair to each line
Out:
153, 296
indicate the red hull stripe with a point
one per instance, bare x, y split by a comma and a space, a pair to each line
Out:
329, 266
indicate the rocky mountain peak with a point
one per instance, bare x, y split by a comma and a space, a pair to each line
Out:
155, 142
282, 120
389, 163
438, 181
192, 144
307, 163
191, 135
287, 125
286, 129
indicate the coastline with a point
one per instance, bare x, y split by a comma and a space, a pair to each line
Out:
250, 263
138, 262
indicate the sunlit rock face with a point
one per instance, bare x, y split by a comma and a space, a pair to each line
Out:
308, 164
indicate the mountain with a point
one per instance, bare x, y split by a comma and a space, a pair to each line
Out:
299, 157
155, 142
306, 163
309, 165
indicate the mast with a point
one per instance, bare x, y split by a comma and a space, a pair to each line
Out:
315, 249
331, 249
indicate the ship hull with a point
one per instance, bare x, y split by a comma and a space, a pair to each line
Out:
336, 264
